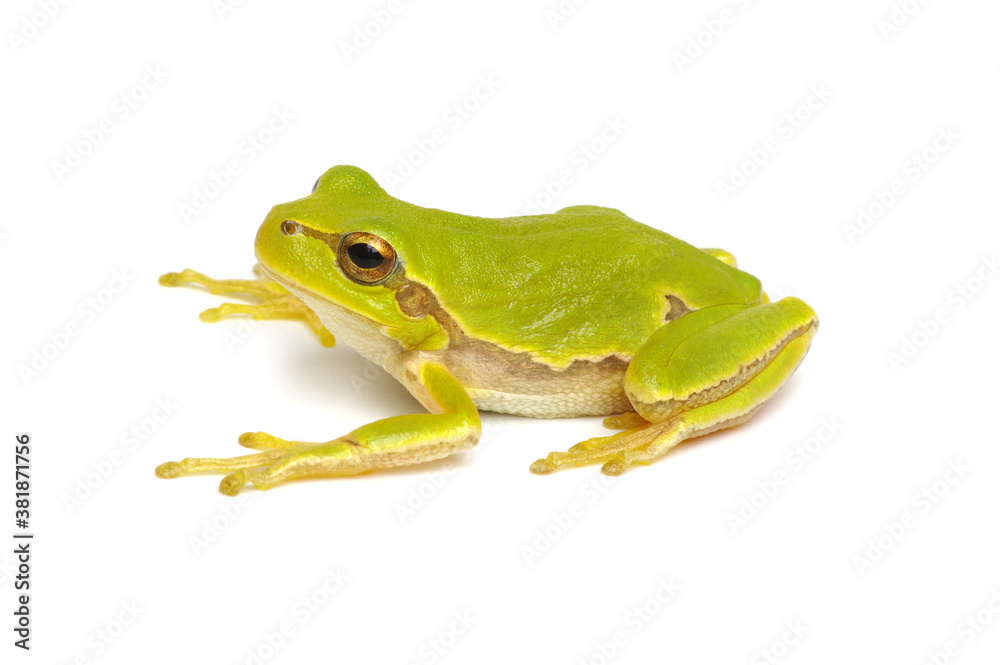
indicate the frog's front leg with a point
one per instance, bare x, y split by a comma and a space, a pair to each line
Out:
452, 425
708, 370
269, 300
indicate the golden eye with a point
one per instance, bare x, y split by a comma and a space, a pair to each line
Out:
366, 258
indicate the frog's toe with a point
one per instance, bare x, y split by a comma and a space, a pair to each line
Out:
617, 452
190, 465
185, 277
260, 478
233, 483
578, 457
593, 444
211, 315
326, 338
169, 470
583, 445
627, 420
264, 441
624, 461
171, 279
585, 452
228, 309
542, 466
614, 467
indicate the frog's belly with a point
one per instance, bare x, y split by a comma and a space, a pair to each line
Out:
522, 387
569, 404
497, 380
516, 382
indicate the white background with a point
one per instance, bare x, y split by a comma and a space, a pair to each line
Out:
805, 555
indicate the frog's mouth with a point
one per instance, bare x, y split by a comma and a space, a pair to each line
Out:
303, 293
279, 279
330, 312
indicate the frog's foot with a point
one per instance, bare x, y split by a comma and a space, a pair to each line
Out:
365, 449
284, 461
192, 465
269, 300
641, 445
696, 375
245, 289
286, 307
264, 441
627, 420
453, 426
611, 448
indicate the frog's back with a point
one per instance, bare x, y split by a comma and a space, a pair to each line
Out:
583, 282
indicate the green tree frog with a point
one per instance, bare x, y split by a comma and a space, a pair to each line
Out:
582, 312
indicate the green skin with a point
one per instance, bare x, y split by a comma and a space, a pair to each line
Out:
580, 312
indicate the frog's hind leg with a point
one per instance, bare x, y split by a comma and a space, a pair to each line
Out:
708, 370
269, 300
730, 411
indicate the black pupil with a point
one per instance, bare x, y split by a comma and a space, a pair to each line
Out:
364, 255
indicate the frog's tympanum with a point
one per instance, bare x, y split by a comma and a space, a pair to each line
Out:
582, 312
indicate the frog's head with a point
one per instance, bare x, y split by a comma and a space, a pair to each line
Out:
335, 250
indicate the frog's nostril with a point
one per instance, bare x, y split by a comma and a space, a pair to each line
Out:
290, 228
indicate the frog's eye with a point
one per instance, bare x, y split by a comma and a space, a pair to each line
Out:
366, 258
316, 184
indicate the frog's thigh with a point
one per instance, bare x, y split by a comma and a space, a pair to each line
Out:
708, 370
708, 354
733, 409
720, 375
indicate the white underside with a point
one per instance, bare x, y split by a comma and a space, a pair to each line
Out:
556, 405
360, 333
365, 336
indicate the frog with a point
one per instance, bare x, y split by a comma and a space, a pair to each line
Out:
576, 313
